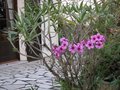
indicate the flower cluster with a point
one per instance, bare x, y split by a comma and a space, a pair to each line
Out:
59, 50
95, 41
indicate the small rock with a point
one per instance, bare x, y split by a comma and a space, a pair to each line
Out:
44, 86
20, 82
19, 76
35, 76
26, 79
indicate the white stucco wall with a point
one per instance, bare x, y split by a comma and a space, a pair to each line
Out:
79, 1
54, 38
22, 48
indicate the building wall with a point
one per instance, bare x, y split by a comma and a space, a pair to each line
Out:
22, 47
46, 40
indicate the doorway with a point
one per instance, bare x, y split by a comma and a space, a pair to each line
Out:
7, 9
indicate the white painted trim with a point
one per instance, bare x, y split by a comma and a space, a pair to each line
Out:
22, 47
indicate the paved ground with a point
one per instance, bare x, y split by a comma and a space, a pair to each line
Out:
24, 75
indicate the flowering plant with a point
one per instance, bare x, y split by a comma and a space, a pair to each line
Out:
96, 41
72, 58
74, 61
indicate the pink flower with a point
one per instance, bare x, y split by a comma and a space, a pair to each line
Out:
93, 38
56, 51
99, 45
100, 37
63, 39
89, 44
60, 49
79, 48
54, 48
72, 48
83, 42
57, 55
64, 44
